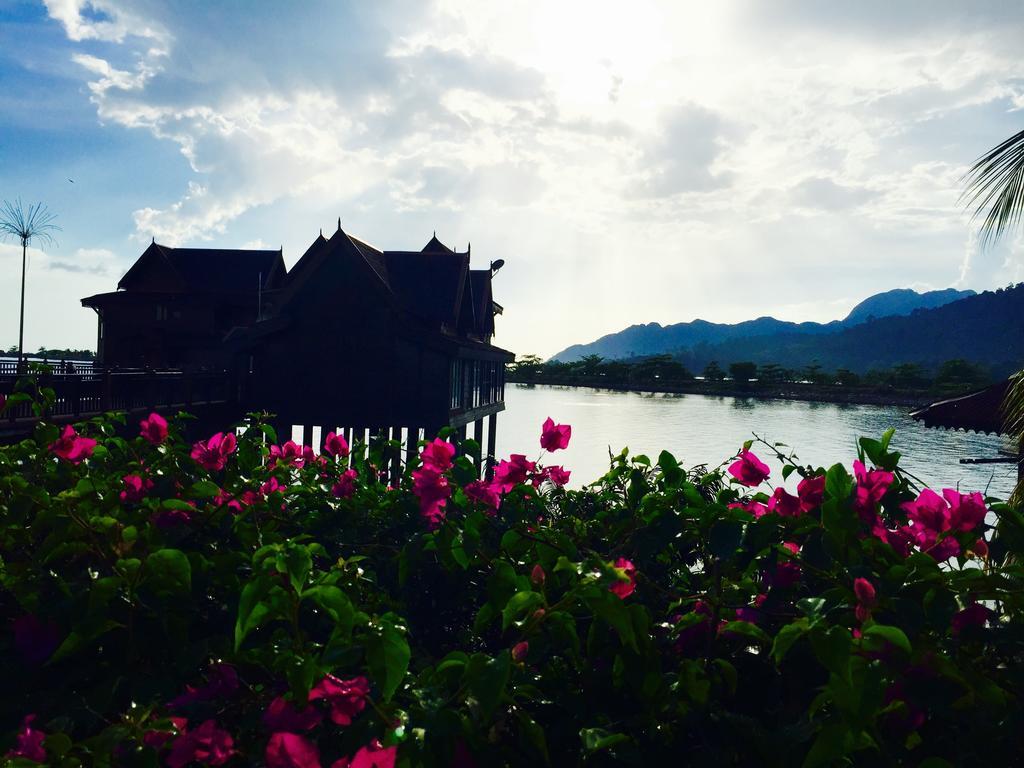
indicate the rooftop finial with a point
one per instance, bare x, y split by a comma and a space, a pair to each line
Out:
321, 231
339, 223
469, 247
435, 233
154, 239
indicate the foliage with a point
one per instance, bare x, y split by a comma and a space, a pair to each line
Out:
242, 602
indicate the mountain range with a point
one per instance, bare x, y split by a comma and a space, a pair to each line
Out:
887, 329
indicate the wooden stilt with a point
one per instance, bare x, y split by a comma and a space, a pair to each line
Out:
492, 436
478, 436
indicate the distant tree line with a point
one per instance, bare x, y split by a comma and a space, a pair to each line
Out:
663, 371
56, 354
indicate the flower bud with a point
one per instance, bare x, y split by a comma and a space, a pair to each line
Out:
537, 576
519, 651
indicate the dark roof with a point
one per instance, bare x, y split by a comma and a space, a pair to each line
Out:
480, 280
436, 246
308, 257
210, 270
979, 411
428, 284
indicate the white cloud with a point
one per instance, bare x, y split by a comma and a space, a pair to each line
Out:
627, 152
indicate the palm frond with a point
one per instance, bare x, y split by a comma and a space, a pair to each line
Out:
1013, 420
995, 186
27, 223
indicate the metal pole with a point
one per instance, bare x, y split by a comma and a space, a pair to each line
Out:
21, 321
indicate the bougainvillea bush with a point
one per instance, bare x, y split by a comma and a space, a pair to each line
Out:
247, 601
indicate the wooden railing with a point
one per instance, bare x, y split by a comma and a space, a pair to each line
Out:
98, 391
10, 366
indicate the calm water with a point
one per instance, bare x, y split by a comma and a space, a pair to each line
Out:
700, 429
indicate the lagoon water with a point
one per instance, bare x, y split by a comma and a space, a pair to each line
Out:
701, 429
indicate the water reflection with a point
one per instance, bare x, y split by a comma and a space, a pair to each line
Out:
709, 429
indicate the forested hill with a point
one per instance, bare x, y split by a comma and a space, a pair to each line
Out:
655, 339
986, 328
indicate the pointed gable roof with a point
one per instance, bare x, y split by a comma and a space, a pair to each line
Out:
163, 269
436, 246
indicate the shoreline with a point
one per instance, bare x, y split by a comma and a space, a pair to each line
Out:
814, 393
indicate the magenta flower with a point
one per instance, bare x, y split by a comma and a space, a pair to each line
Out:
749, 470
221, 682
72, 447
438, 455
871, 488
29, 744
207, 744
930, 521
694, 637
515, 471
788, 571
289, 750
811, 491
558, 476
212, 455
483, 493
35, 639
784, 504
156, 739
974, 615
554, 437
347, 698
432, 489
966, 510
537, 576
865, 592
282, 715
756, 508
346, 484
373, 755
153, 428
336, 445
289, 453
135, 488
627, 570
520, 651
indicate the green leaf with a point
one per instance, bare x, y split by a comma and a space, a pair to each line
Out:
833, 743
519, 604
597, 739
486, 679
296, 561
336, 604
252, 610
745, 629
178, 505
838, 483
893, 635
204, 489
534, 735
616, 613
785, 639
388, 656
168, 573
832, 649
724, 538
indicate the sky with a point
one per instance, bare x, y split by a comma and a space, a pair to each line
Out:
631, 162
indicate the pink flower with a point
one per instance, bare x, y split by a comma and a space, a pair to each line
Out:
626, 569
438, 455
135, 488
694, 637
756, 508
282, 715
221, 682
483, 493
974, 615
980, 548
432, 489
930, 519
558, 475
554, 437
212, 455
156, 739
346, 484
373, 755
811, 491
966, 510
289, 750
346, 697
509, 474
35, 639
871, 488
207, 744
749, 470
30, 742
153, 428
784, 504
289, 453
336, 445
865, 592
537, 576
519, 652
170, 518
72, 447
788, 571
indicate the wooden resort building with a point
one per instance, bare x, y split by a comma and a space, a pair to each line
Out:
395, 344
